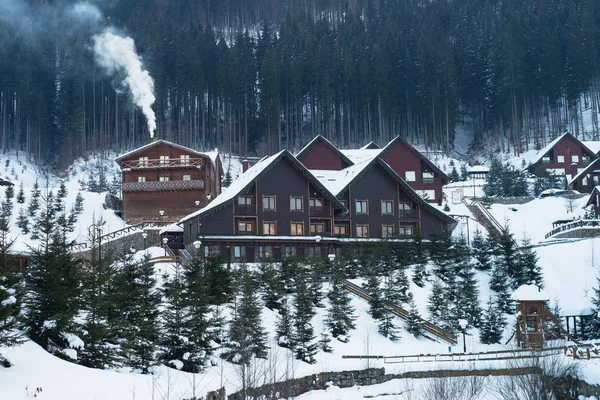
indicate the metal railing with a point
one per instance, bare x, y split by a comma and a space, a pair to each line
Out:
594, 223
82, 246
158, 163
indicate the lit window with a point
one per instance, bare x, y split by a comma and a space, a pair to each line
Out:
184, 159
296, 203
187, 177
143, 161
387, 207
340, 230
163, 178
164, 160
265, 252
406, 230
560, 159
297, 228
387, 231
361, 207
362, 231
575, 158
410, 176
269, 228
317, 227
245, 227
268, 203
141, 179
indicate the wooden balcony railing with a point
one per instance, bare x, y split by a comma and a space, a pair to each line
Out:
156, 163
245, 209
162, 185
408, 214
319, 210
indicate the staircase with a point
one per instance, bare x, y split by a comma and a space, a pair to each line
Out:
485, 219
430, 328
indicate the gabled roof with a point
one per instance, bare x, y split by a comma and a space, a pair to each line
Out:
361, 155
594, 164
338, 181
321, 138
426, 160
370, 146
553, 143
155, 143
591, 200
593, 145
254, 173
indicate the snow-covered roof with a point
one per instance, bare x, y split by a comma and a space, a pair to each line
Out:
214, 156
151, 144
361, 155
422, 156
587, 170
593, 145
530, 292
478, 168
170, 228
371, 145
541, 153
337, 181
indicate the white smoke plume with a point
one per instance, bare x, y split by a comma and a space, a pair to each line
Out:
116, 54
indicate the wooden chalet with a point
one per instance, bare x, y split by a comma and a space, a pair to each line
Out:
279, 208
594, 201
566, 155
531, 316
410, 164
586, 180
166, 181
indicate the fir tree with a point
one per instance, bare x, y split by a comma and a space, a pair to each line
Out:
492, 324
436, 302
305, 347
593, 327
481, 252
464, 173
23, 221
219, 281
454, 177
21, 194
284, 328
272, 286
376, 302
34, 200
324, 342
414, 322
173, 343
11, 296
468, 299
7, 203
527, 259
386, 325
227, 179
340, 315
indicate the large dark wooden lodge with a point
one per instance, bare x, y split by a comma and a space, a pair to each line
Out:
166, 181
313, 204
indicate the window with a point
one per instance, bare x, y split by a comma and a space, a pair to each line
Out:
297, 228
143, 161
164, 160
163, 178
317, 227
405, 209
245, 200
265, 252
315, 203
427, 177
268, 203
296, 203
556, 171
410, 176
585, 159
560, 159
406, 230
428, 195
387, 231
141, 179
269, 228
314, 252
575, 158
362, 231
340, 230
239, 252
245, 227
184, 159
187, 177
546, 160
290, 251
584, 181
361, 207
387, 207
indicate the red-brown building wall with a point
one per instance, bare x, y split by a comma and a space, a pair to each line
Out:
321, 156
566, 147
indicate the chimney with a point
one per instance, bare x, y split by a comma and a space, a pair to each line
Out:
244, 165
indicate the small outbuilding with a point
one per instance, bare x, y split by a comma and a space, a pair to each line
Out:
478, 172
531, 316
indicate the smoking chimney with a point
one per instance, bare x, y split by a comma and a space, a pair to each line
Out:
244, 165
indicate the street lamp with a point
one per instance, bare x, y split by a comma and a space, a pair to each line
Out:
145, 236
197, 203
331, 257
208, 197
165, 240
197, 244
463, 326
161, 212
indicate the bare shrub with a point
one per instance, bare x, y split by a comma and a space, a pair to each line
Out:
454, 388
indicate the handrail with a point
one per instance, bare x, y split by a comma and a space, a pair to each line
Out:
111, 235
577, 224
403, 314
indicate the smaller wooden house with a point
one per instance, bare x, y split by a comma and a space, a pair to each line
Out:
587, 179
166, 181
478, 172
594, 201
531, 316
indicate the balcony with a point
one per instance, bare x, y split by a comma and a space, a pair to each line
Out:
157, 163
162, 185
245, 209
408, 214
431, 180
319, 210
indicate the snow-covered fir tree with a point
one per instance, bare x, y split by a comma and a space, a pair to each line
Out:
340, 315
481, 251
436, 303
527, 259
414, 323
11, 295
305, 346
492, 324
34, 200
272, 288
21, 194
284, 328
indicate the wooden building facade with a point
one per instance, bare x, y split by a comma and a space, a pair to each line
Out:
166, 181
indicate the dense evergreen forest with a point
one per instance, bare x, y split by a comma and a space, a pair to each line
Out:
255, 76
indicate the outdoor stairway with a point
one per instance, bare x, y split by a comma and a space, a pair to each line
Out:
431, 329
485, 218
118, 233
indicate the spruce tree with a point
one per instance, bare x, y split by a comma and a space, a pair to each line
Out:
34, 200
23, 221
195, 329
21, 194
272, 285
7, 203
284, 330
527, 259
414, 323
173, 343
593, 327
340, 315
492, 324
11, 296
454, 177
324, 342
436, 302
386, 325
305, 346
219, 280
464, 173
376, 302
481, 251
